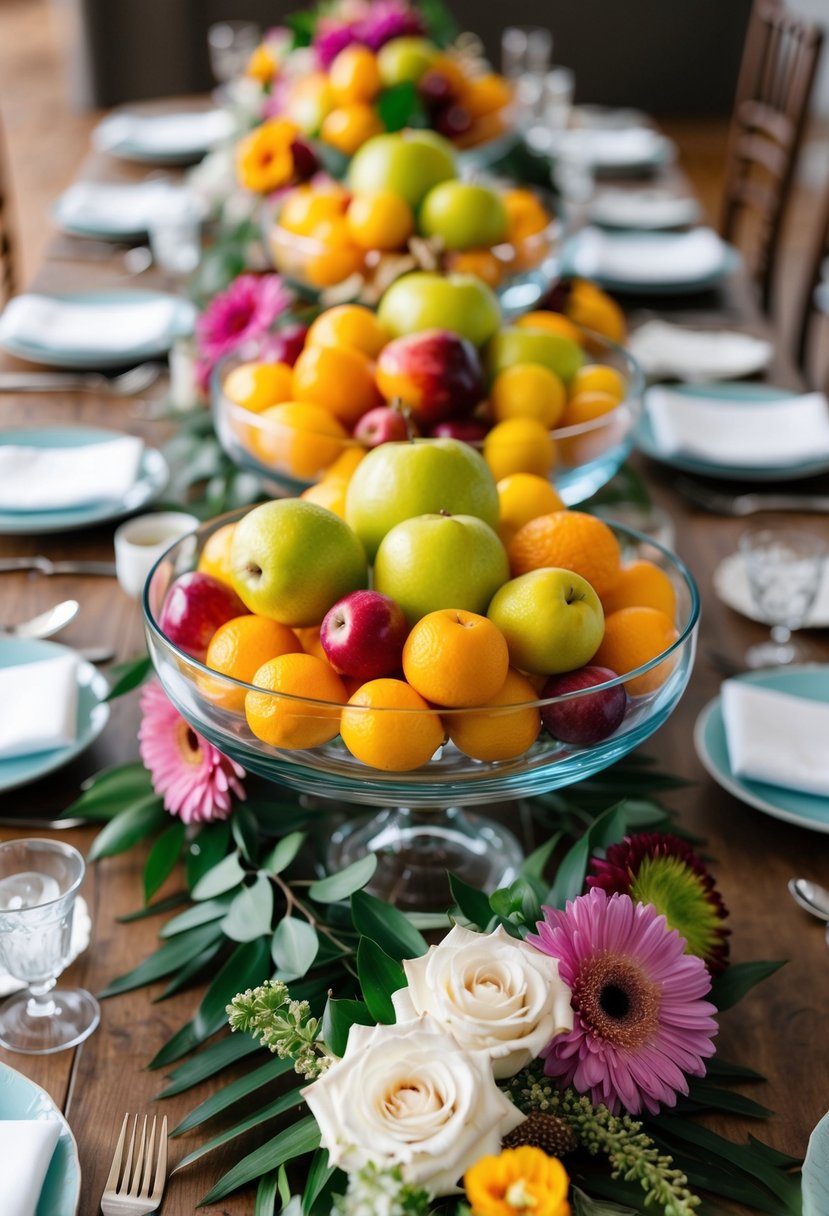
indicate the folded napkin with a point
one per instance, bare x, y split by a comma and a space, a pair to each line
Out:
26, 1148
741, 434
776, 737
77, 326
609, 146
681, 257
44, 697
643, 209
166, 134
663, 349
120, 207
56, 479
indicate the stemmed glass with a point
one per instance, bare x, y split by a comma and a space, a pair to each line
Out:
230, 45
785, 567
525, 59
39, 880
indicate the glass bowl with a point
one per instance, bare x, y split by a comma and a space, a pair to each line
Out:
421, 807
587, 455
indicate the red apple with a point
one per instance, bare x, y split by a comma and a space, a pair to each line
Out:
589, 718
468, 430
363, 635
194, 608
436, 373
381, 425
286, 345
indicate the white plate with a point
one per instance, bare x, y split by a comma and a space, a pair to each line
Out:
20, 1098
650, 209
732, 586
177, 138
669, 351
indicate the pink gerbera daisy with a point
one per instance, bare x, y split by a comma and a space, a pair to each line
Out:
641, 1026
241, 314
198, 783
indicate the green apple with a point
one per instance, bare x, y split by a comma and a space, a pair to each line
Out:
552, 620
397, 481
440, 561
520, 344
422, 300
408, 163
291, 560
464, 215
405, 60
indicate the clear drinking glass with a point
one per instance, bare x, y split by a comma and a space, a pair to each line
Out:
525, 59
557, 98
230, 45
39, 880
175, 237
785, 567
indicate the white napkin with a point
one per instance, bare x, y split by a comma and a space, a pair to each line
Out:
609, 147
120, 207
41, 702
165, 134
56, 479
663, 349
682, 257
740, 434
26, 1148
776, 737
77, 326
647, 208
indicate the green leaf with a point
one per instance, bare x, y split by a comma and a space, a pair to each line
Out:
387, 926
283, 853
141, 819
181, 1044
472, 903
162, 859
191, 971
111, 791
208, 848
517, 901
345, 882
719, 1069
197, 914
379, 976
169, 958
251, 912
245, 832
208, 1062
266, 1195
337, 1020
319, 1173
711, 1097
248, 965
534, 865
569, 879
397, 105
294, 947
284, 1185
128, 676
231, 1093
225, 876
286, 1101
156, 909
441, 25
583, 1205
302, 1137
730, 987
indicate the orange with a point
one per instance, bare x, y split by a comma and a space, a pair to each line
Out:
633, 636
522, 497
282, 721
553, 323
484, 95
526, 215
380, 221
598, 377
519, 445
215, 555
350, 327
241, 646
481, 262
334, 255
527, 390
456, 658
641, 584
340, 380
308, 206
587, 407
498, 735
569, 540
387, 725
300, 437
591, 307
354, 75
328, 493
343, 467
488, 126
349, 126
449, 66
255, 386
309, 640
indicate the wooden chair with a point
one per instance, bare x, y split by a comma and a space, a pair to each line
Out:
812, 314
8, 260
774, 88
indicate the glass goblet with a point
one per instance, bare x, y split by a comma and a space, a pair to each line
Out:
230, 45
785, 567
39, 880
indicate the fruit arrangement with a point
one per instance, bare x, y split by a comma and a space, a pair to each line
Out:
401, 208
433, 361
444, 612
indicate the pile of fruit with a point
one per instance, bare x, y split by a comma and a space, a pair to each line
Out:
403, 207
440, 593
433, 361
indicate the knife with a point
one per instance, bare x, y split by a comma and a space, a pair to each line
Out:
46, 566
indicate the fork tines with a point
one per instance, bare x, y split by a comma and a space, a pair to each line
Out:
134, 1178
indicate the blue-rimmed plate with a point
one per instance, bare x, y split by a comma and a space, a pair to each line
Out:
153, 475
176, 138
183, 317
751, 394
577, 263
20, 1098
815, 1181
806, 810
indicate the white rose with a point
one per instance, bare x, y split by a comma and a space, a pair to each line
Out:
493, 994
409, 1095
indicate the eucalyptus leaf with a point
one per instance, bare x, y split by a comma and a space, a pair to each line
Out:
345, 882
112, 791
140, 820
730, 987
209, 1061
251, 911
294, 947
248, 965
168, 958
301, 1138
162, 858
231, 1093
208, 848
224, 876
283, 853
387, 926
197, 914
380, 976
338, 1018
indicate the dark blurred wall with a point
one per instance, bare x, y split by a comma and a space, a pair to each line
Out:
665, 56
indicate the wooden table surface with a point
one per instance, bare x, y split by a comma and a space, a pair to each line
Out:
778, 1029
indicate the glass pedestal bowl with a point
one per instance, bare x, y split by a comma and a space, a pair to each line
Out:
423, 827
587, 455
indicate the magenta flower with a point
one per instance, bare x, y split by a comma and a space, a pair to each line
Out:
198, 783
241, 314
641, 1026
389, 19
331, 38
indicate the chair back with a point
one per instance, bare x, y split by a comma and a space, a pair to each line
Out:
812, 310
8, 260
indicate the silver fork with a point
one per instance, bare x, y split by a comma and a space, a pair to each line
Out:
135, 1190
720, 503
127, 384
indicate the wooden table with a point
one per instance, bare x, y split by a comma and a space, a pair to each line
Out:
778, 1029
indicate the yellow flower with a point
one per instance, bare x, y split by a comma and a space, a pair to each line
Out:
519, 1182
261, 65
264, 160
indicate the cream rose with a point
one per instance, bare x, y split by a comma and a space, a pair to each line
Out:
409, 1095
493, 993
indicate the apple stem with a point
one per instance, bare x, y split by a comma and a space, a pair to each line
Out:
253, 568
446, 514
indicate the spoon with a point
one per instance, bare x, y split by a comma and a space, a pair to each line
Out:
811, 896
46, 623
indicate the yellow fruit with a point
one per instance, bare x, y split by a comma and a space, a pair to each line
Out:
308, 206
587, 407
632, 637
328, 493
522, 497
350, 327
278, 717
339, 379
255, 386
598, 378
591, 307
641, 584
455, 658
380, 221
389, 726
343, 467
215, 555
553, 323
301, 438
349, 126
519, 445
354, 75
495, 733
569, 540
528, 390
